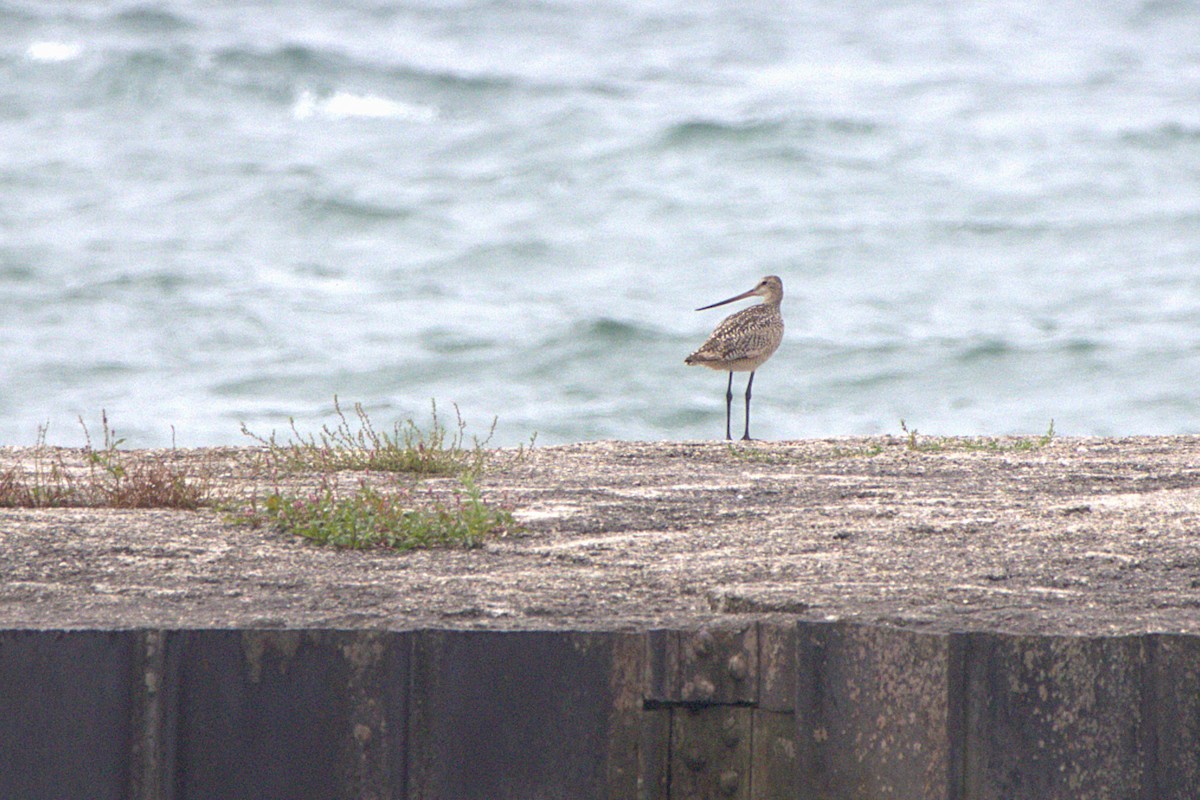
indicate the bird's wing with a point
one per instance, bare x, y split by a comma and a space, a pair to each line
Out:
740, 335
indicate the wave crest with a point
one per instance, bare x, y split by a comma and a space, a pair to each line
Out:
50, 52
347, 105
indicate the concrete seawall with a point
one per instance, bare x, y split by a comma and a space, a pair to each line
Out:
844, 619
765, 710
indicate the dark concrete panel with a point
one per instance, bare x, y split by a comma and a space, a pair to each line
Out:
288, 714
1173, 711
511, 715
66, 710
1055, 717
774, 767
873, 712
654, 765
879, 712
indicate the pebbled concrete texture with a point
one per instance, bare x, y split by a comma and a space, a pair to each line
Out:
848, 618
1081, 536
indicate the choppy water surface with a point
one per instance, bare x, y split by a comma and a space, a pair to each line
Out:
985, 216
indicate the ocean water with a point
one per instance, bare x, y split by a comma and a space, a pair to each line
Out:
986, 215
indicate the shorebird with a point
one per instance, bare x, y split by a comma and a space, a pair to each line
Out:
743, 341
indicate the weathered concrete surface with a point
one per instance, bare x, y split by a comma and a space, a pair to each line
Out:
1083, 536
830, 620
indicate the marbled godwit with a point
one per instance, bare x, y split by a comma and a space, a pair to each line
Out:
743, 341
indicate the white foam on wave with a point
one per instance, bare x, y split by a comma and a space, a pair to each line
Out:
51, 52
347, 105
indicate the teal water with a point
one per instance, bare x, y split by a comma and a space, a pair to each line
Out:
985, 216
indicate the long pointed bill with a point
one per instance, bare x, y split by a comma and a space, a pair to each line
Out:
741, 296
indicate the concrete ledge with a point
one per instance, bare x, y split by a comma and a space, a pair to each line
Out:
1074, 537
873, 713
842, 619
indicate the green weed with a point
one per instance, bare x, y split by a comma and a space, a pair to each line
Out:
398, 520
359, 446
868, 451
791, 456
756, 455
937, 444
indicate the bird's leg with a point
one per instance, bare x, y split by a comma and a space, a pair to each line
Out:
749, 383
728, 405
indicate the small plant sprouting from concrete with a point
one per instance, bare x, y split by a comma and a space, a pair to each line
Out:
108, 478
755, 455
397, 520
937, 444
142, 482
357, 447
790, 456
1041, 441
868, 451
48, 483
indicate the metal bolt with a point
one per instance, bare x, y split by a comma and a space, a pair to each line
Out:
737, 667
729, 782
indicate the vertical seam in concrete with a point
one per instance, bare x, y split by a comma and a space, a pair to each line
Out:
757, 675
147, 732
759, 668
958, 717
398, 721
670, 749
411, 772
1149, 700
750, 768
148, 770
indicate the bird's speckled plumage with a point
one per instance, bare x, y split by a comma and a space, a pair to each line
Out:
743, 341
